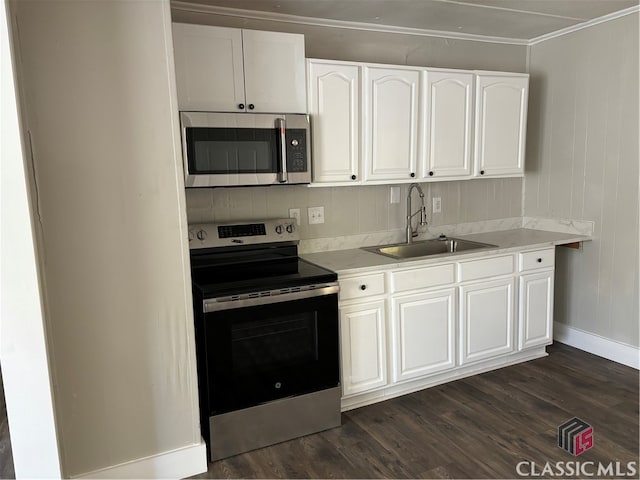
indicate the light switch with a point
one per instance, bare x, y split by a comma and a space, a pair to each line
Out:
394, 194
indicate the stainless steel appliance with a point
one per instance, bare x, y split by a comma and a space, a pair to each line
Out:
266, 336
242, 149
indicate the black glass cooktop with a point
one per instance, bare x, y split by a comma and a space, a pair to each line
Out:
230, 273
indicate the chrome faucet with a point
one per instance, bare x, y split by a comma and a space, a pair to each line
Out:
422, 211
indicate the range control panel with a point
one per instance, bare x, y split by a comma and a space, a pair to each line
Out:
208, 235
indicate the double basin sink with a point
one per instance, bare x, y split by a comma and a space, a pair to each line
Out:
425, 248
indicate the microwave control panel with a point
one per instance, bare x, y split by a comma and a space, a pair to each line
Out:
296, 150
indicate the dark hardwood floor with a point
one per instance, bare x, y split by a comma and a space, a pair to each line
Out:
478, 427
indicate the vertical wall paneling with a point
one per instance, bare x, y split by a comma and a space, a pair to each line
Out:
582, 163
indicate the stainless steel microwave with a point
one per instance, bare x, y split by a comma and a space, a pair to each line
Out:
241, 149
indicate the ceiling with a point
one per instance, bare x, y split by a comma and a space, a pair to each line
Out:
518, 20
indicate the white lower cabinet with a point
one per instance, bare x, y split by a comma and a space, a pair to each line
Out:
423, 328
535, 305
408, 328
363, 347
486, 319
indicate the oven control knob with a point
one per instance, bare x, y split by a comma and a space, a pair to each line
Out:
192, 236
279, 229
201, 235
290, 228
295, 142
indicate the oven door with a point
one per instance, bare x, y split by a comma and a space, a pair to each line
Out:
231, 149
271, 348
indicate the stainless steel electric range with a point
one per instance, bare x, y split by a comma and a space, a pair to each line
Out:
266, 336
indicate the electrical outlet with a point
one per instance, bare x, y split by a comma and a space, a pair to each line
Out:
436, 202
316, 215
295, 213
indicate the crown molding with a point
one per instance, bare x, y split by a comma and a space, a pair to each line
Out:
186, 6
587, 24
323, 22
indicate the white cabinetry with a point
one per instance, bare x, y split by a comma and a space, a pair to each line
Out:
424, 333
363, 336
486, 319
535, 306
448, 124
486, 308
501, 124
445, 320
391, 102
334, 105
229, 70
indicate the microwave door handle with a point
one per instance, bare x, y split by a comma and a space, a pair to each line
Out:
282, 154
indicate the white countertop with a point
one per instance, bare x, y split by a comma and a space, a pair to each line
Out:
357, 261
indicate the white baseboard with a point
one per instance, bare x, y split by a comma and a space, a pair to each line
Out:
601, 346
181, 463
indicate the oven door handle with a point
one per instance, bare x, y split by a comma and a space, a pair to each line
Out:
274, 296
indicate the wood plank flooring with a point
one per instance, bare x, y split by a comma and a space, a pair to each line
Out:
478, 427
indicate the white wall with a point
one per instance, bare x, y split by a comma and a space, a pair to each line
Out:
582, 163
99, 95
23, 353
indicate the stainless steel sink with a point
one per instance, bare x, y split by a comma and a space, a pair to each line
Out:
426, 248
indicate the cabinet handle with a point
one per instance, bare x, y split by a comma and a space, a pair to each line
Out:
363, 287
431, 174
251, 106
353, 177
241, 106
481, 172
412, 175
539, 260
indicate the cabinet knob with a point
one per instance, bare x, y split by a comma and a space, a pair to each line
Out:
363, 287
412, 175
241, 106
251, 106
431, 174
481, 172
353, 177
539, 260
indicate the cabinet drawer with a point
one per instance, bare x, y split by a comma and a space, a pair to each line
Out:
537, 259
362, 286
485, 268
423, 277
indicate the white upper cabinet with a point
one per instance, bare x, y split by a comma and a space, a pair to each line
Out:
209, 67
391, 100
230, 70
448, 116
334, 105
501, 124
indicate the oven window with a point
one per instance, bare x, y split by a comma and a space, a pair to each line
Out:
261, 353
274, 343
231, 150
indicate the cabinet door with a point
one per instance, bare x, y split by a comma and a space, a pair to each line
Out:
536, 310
334, 105
448, 127
501, 124
274, 70
209, 67
364, 352
423, 333
391, 133
486, 320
